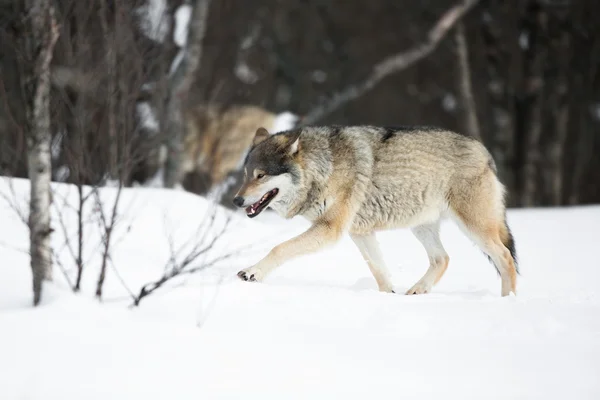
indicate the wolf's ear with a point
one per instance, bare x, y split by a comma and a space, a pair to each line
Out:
294, 147
261, 135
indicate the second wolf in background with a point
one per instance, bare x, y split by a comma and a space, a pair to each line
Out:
218, 140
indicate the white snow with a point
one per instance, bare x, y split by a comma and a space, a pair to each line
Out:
524, 40
147, 117
595, 110
284, 121
449, 102
62, 173
56, 145
176, 61
180, 33
244, 73
316, 328
182, 22
153, 21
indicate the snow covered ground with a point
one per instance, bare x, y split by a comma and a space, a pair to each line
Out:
317, 328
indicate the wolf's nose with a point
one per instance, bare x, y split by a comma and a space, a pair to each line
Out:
238, 201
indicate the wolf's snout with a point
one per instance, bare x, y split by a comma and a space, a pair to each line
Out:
238, 201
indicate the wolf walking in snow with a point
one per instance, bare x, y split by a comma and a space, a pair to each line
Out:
361, 179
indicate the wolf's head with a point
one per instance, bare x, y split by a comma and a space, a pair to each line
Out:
270, 172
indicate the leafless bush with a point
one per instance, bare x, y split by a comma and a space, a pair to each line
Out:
202, 250
74, 246
107, 225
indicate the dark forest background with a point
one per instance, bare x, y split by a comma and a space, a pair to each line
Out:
531, 70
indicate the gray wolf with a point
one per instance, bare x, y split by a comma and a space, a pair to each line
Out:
362, 179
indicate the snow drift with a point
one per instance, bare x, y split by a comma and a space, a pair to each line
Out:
317, 328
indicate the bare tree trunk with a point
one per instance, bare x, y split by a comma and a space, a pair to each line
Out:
181, 82
111, 65
584, 86
535, 89
502, 67
560, 45
45, 34
392, 64
466, 89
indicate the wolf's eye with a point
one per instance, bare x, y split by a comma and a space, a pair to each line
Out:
260, 176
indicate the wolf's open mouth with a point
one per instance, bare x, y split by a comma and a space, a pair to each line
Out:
256, 208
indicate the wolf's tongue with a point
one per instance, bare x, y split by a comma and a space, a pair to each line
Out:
252, 208
256, 208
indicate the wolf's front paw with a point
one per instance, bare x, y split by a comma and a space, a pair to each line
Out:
251, 274
386, 288
419, 288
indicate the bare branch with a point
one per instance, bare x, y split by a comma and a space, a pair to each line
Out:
392, 64
108, 226
13, 202
64, 271
65, 230
196, 255
14, 248
120, 278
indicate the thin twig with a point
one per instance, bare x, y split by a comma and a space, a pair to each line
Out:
199, 252
120, 278
13, 202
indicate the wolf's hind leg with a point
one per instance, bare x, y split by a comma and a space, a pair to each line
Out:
480, 212
429, 237
369, 248
488, 237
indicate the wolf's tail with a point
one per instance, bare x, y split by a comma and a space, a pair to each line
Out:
509, 241
505, 234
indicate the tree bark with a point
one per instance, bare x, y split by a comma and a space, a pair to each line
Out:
471, 122
501, 58
584, 89
112, 93
45, 34
535, 91
560, 49
180, 83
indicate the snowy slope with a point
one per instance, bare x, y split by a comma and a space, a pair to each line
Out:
317, 328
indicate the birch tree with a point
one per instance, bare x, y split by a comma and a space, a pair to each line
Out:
180, 83
40, 47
